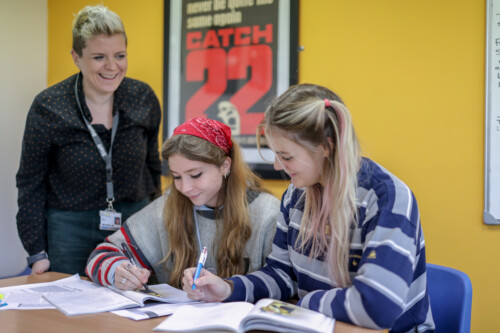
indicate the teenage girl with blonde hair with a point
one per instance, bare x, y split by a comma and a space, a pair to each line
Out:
348, 242
214, 201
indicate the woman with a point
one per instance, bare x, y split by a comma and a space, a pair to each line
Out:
348, 242
90, 153
215, 201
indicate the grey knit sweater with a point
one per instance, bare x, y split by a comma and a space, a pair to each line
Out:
147, 235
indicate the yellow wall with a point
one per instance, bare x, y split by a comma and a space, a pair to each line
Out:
412, 74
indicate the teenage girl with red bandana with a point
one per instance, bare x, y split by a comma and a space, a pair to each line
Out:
213, 201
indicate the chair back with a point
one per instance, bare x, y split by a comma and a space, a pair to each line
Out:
450, 294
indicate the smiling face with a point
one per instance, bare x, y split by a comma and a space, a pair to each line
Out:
199, 181
304, 166
103, 64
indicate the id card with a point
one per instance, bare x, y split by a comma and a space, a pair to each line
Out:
110, 220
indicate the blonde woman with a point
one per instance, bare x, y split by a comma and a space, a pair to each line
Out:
90, 143
215, 201
348, 242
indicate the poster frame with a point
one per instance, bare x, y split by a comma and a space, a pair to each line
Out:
287, 74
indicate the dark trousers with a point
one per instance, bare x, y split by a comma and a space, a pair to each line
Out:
72, 236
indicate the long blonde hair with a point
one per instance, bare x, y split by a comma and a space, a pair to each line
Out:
235, 229
303, 116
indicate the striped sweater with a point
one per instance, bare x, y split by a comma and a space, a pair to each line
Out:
386, 263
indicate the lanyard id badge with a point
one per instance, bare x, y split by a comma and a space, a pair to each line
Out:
110, 219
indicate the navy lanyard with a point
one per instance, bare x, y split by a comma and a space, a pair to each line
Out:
100, 147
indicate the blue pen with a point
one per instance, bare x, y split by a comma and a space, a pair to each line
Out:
201, 262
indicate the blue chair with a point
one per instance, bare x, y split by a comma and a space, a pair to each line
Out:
450, 293
27, 271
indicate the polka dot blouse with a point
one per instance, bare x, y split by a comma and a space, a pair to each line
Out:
61, 167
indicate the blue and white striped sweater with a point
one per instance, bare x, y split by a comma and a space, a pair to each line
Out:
387, 261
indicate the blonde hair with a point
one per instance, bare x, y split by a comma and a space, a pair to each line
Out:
302, 115
235, 229
92, 21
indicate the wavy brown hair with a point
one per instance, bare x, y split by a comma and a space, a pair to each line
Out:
233, 222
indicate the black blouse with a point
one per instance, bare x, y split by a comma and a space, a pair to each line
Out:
61, 167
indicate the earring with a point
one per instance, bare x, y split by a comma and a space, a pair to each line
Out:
227, 174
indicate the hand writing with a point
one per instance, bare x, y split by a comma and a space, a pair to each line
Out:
130, 277
209, 287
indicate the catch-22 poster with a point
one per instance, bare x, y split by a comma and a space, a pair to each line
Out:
229, 62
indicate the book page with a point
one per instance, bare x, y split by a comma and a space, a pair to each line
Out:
278, 316
206, 317
168, 294
89, 301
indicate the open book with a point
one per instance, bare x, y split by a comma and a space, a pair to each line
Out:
101, 299
267, 314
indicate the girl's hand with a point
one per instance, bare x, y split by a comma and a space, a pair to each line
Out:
209, 287
130, 277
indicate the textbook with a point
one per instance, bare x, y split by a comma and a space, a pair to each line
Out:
102, 299
267, 314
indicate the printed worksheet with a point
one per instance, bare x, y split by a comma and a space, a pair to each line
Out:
151, 310
30, 296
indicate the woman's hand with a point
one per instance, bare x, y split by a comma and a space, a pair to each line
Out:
41, 266
209, 287
130, 277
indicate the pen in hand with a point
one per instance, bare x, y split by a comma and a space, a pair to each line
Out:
201, 263
131, 259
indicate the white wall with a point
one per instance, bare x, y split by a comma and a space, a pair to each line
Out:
23, 74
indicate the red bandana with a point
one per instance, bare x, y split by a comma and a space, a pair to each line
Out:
208, 129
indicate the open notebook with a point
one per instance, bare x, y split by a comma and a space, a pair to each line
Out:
267, 314
102, 299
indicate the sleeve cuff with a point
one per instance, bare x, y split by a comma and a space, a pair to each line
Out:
238, 290
111, 272
36, 257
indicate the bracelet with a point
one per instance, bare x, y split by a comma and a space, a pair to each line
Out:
36, 257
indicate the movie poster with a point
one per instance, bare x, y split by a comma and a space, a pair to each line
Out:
228, 62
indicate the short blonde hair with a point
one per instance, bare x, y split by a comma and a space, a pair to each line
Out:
92, 21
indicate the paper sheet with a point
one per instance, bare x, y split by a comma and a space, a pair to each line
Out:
30, 296
148, 311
